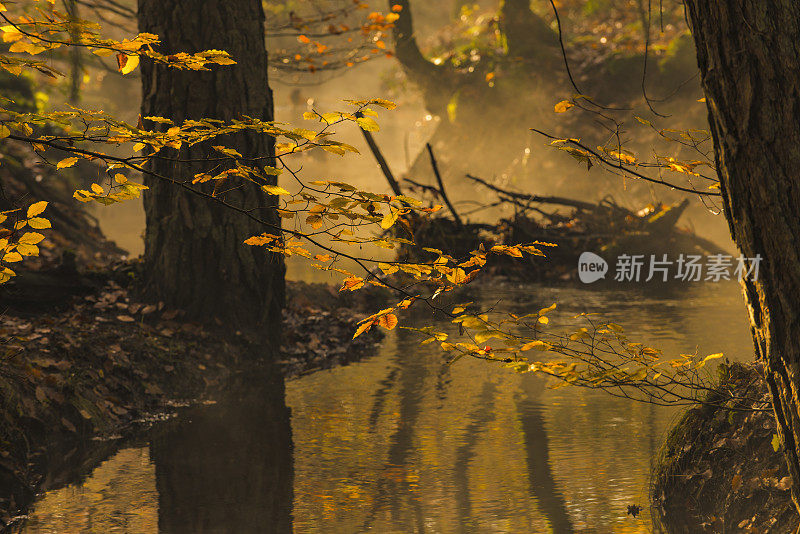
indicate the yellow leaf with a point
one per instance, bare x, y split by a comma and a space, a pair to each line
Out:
538, 345
548, 309
97, 189
712, 357
368, 124
272, 171
68, 162
103, 52
388, 268
389, 219
458, 276
30, 238
563, 106
263, 239
39, 223
12, 257
36, 208
120, 178
309, 135
543, 319
28, 250
274, 190
382, 102
4, 131
6, 274
126, 63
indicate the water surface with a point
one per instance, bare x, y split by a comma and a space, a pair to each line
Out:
402, 442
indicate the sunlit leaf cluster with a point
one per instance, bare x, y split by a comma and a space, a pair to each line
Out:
19, 236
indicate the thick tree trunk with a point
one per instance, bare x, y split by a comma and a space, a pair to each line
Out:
749, 56
194, 256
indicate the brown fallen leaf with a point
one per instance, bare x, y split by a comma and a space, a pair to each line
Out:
126, 319
69, 426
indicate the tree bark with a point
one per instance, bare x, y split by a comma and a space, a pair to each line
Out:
749, 56
194, 255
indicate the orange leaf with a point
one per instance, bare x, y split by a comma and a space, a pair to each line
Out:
388, 321
352, 283
362, 328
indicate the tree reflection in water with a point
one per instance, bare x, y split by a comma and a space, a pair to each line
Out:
228, 467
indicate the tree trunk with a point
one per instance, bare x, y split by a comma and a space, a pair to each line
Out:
528, 36
436, 82
748, 52
194, 255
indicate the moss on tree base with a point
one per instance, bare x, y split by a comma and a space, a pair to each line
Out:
719, 471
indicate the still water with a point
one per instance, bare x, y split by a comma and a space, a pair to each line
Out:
403, 443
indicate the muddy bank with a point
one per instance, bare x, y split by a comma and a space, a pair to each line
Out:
721, 469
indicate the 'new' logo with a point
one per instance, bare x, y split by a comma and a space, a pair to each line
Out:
591, 267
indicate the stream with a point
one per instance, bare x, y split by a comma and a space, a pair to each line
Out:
401, 442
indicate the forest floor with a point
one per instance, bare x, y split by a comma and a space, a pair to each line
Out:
721, 468
75, 378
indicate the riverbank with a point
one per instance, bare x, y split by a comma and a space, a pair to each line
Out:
721, 469
106, 364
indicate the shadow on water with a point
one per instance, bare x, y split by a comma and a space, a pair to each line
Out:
479, 418
227, 467
543, 485
409, 375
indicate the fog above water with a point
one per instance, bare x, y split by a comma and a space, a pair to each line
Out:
405, 130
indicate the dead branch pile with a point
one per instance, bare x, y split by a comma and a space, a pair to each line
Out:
574, 226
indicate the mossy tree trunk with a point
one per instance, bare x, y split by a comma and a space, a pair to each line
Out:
194, 256
749, 56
